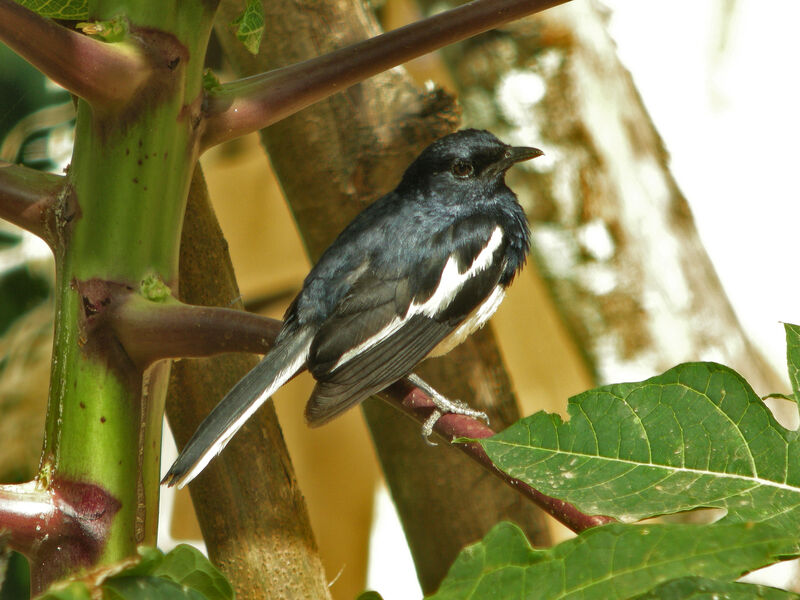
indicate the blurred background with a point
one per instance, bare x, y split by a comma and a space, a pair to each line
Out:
620, 286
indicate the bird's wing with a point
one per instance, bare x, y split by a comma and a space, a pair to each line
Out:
384, 327
285, 359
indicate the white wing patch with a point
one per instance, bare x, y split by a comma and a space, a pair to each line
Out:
450, 282
476, 319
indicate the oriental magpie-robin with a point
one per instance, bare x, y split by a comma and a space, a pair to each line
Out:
411, 276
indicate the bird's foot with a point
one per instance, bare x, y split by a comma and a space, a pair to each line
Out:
443, 406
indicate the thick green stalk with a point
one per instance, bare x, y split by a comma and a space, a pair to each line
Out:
119, 228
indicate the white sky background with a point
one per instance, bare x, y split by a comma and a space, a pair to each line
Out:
730, 118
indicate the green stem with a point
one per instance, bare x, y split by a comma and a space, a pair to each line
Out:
119, 229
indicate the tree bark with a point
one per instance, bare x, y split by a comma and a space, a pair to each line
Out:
251, 512
332, 160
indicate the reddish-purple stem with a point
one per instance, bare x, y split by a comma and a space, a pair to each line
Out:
59, 528
27, 197
416, 403
250, 104
98, 72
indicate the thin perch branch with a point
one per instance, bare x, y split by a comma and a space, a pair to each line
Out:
151, 331
415, 403
253, 103
98, 72
27, 197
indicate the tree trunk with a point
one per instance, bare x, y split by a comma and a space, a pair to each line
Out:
251, 512
332, 160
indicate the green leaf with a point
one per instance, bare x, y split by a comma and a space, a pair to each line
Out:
250, 25
113, 30
696, 436
188, 567
184, 568
147, 588
612, 561
74, 591
70, 10
793, 357
700, 588
370, 595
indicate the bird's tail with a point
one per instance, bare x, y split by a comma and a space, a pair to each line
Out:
275, 369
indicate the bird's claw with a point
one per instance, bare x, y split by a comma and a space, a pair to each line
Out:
427, 427
445, 406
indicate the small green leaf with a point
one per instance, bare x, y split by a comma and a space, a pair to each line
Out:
250, 25
147, 588
154, 289
793, 357
69, 10
73, 591
211, 82
700, 588
184, 568
696, 436
114, 30
188, 567
612, 561
149, 560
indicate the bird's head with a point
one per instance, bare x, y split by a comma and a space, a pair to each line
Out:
469, 160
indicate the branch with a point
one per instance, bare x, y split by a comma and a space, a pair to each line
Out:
57, 526
27, 197
150, 331
415, 403
250, 104
96, 71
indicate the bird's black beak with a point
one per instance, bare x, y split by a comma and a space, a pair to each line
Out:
513, 155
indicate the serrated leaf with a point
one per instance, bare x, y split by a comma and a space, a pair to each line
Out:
701, 588
188, 567
250, 25
147, 588
74, 591
612, 561
70, 10
696, 436
793, 357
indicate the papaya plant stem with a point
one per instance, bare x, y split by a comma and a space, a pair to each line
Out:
150, 331
27, 197
101, 73
250, 104
117, 234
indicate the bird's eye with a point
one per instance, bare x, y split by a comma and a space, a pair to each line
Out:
462, 168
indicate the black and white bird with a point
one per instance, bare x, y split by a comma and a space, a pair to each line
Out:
410, 277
